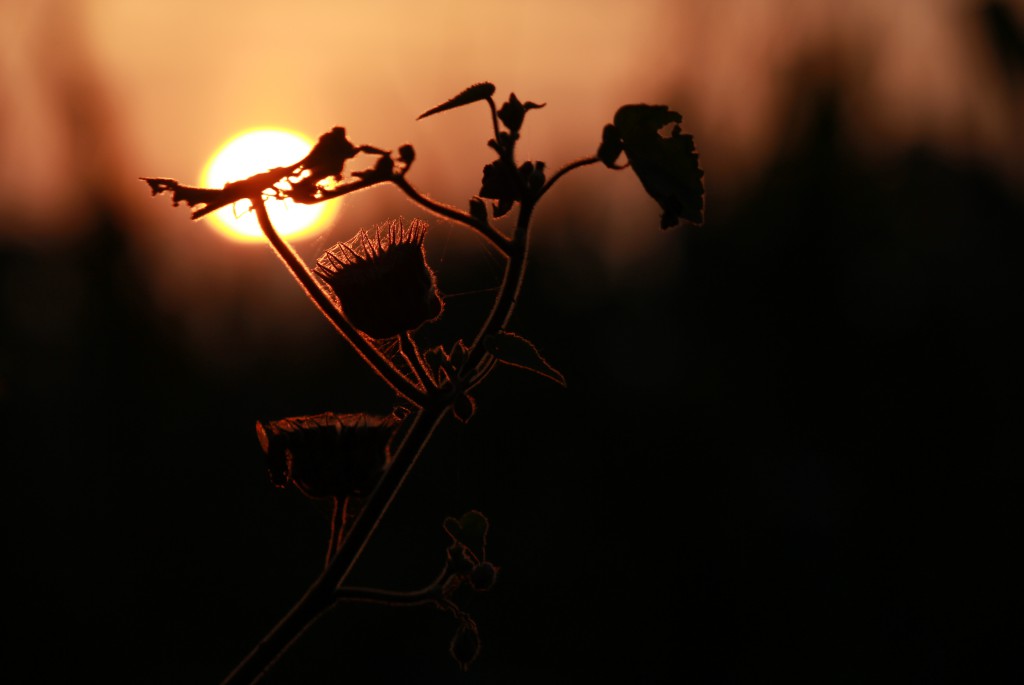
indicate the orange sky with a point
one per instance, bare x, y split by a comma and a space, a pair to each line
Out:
166, 82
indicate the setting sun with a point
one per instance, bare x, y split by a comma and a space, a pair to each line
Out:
252, 152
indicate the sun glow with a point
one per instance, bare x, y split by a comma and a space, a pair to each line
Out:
252, 152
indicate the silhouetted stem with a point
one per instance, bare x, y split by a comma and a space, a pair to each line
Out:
343, 189
563, 171
386, 597
337, 523
508, 293
431, 594
482, 227
412, 354
384, 368
494, 118
326, 589
321, 595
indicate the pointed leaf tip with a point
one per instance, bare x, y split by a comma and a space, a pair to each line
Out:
475, 93
516, 350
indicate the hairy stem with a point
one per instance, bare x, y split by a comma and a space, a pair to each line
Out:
408, 348
321, 595
384, 368
563, 171
482, 227
431, 594
324, 592
508, 292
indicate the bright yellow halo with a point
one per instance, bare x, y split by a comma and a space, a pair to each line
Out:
252, 152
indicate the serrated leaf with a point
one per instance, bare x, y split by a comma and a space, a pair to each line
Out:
475, 93
668, 168
516, 350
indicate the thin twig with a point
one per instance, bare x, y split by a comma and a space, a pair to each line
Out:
563, 171
447, 211
321, 594
407, 346
383, 366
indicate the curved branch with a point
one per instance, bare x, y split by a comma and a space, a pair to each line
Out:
497, 239
409, 350
321, 594
384, 368
563, 171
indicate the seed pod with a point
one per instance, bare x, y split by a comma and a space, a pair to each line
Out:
382, 279
465, 646
327, 455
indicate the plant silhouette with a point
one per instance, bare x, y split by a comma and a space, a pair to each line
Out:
377, 289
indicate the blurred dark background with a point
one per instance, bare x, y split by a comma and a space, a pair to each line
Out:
789, 447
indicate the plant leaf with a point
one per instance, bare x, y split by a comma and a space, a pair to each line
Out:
668, 168
513, 112
516, 350
469, 530
328, 156
475, 93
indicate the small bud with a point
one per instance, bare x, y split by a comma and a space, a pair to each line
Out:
483, 576
459, 559
465, 646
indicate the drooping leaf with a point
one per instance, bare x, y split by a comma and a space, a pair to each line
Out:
668, 167
475, 93
516, 350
